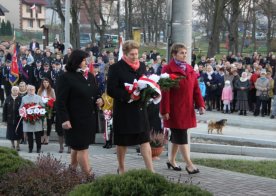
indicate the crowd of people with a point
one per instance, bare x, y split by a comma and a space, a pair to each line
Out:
233, 83
238, 84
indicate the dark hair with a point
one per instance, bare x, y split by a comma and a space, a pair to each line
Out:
42, 88
75, 60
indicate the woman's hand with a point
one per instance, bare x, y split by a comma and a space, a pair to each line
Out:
166, 116
66, 125
201, 110
134, 97
100, 102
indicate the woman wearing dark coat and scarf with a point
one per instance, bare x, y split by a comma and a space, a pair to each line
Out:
130, 120
77, 100
11, 117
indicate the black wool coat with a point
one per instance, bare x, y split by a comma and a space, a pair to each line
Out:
76, 102
11, 116
128, 118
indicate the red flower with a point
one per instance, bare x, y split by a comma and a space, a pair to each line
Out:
32, 118
173, 76
51, 102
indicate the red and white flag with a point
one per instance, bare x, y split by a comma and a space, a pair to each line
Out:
33, 7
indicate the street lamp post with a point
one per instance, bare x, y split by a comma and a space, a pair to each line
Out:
67, 24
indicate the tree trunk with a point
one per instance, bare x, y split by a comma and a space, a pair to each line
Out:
118, 20
156, 23
91, 13
233, 33
58, 6
254, 26
214, 38
126, 20
245, 27
75, 30
269, 26
130, 19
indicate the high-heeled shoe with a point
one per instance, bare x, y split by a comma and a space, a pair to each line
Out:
176, 168
195, 171
43, 141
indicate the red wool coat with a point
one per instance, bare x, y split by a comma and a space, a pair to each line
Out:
179, 102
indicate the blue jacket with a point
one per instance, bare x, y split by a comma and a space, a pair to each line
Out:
202, 87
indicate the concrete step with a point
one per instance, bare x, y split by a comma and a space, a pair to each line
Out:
250, 121
233, 150
232, 140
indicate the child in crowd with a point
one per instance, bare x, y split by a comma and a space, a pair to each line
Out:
227, 96
202, 87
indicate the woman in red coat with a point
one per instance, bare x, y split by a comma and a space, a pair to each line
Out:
177, 106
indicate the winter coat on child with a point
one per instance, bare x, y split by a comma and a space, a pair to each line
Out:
227, 94
202, 87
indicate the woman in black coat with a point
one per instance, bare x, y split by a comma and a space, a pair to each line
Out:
11, 117
77, 100
211, 83
130, 120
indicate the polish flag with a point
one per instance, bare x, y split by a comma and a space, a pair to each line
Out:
120, 55
33, 7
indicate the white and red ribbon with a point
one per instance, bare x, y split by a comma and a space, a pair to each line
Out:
141, 84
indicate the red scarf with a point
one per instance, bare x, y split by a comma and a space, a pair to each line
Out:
134, 65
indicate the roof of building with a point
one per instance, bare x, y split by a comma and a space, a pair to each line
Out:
37, 2
3, 9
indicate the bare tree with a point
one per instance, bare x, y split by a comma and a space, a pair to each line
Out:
102, 11
245, 24
233, 26
74, 27
90, 9
217, 21
57, 6
206, 9
269, 10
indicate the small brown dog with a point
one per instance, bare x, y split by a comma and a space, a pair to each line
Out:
218, 125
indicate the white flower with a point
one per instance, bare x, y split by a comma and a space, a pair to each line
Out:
154, 77
30, 111
164, 75
42, 111
36, 110
45, 99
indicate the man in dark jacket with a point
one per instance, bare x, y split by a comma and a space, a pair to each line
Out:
26, 72
33, 45
5, 78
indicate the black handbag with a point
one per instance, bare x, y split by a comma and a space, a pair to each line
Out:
214, 87
264, 97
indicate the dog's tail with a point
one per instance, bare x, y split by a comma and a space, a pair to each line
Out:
203, 121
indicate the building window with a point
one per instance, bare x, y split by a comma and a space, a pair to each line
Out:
38, 9
38, 23
31, 24
28, 9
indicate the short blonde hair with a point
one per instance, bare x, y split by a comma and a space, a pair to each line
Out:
129, 45
29, 86
175, 48
15, 88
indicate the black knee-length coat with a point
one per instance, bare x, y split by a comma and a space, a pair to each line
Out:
11, 116
128, 118
76, 102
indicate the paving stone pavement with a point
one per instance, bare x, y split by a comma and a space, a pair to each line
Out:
217, 181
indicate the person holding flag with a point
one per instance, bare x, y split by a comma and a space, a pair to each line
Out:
6, 74
14, 71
